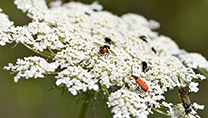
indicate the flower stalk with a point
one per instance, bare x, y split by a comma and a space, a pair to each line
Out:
159, 111
106, 90
85, 106
44, 54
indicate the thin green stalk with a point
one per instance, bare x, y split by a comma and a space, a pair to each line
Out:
51, 73
83, 111
159, 111
106, 90
51, 51
41, 53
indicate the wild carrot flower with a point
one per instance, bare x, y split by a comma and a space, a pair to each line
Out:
64, 36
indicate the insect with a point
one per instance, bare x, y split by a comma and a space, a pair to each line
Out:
153, 49
88, 14
107, 39
183, 95
104, 49
143, 38
139, 81
144, 66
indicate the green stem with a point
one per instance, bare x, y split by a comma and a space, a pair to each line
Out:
51, 73
106, 90
159, 111
83, 111
41, 53
51, 51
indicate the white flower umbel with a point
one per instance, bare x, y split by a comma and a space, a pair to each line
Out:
194, 60
31, 67
76, 79
65, 36
127, 104
5, 24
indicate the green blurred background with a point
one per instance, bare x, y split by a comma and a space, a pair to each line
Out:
185, 21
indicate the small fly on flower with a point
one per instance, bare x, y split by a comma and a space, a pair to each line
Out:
139, 81
104, 49
86, 13
144, 66
107, 39
183, 95
153, 49
143, 37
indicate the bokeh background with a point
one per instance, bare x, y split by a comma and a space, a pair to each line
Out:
185, 21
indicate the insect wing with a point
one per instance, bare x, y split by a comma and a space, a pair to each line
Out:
97, 44
112, 52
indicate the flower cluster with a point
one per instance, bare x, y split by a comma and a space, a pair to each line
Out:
5, 24
189, 59
31, 67
66, 34
126, 103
